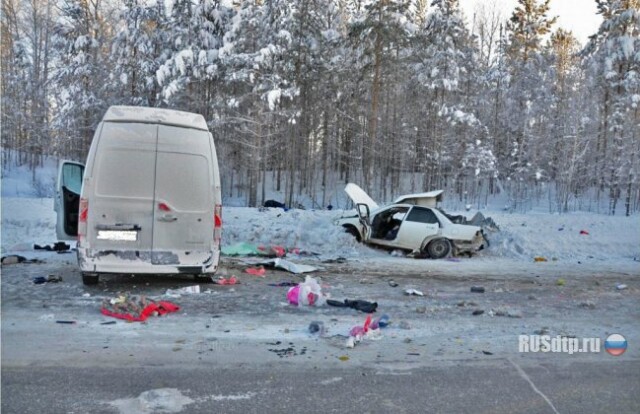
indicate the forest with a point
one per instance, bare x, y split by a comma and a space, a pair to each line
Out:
303, 96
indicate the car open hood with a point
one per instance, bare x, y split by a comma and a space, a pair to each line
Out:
429, 199
359, 196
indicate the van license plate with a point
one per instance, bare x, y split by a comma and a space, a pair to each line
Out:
119, 235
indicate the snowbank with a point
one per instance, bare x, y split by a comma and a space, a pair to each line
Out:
523, 236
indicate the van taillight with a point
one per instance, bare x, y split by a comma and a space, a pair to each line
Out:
83, 213
217, 216
217, 224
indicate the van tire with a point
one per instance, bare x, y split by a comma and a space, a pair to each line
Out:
202, 278
90, 278
439, 248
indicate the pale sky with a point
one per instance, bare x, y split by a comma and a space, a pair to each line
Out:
579, 16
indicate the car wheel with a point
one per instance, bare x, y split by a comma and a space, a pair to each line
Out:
353, 231
90, 278
439, 248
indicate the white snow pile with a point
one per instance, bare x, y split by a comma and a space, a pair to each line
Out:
558, 236
308, 230
26, 221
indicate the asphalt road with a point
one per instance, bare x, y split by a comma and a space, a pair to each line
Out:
216, 355
498, 387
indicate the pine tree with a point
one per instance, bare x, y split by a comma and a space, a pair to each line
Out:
615, 58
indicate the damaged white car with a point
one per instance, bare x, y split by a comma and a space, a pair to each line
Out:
411, 223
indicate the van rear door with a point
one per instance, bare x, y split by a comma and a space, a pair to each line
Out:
120, 197
183, 199
67, 201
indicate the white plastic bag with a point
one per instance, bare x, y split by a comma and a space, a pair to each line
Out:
307, 293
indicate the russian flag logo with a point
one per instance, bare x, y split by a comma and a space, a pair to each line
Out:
615, 344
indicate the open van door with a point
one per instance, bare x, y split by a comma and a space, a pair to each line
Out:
67, 199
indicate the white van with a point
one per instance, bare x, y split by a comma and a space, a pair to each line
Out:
148, 200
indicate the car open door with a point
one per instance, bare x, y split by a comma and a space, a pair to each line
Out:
67, 199
365, 220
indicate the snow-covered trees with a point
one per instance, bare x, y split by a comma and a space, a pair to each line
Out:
303, 95
81, 71
615, 63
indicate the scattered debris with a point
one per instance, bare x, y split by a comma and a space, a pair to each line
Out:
306, 293
584, 232
621, 287
135, 308
561, 282
477, 289
339, 260
587, 305
381, 322
465, 303
506, 312
13, 259
284, 284
477, 312
539, 259
289, 351
49, 279
256, 271
241, 249
487, 352
66, 322
413, 292
343, 358
187, 290
532, 297
272, 251
413, 353
288, 266
230, 281
56, 247
316, 327
108, 323
393, 283
543, 331
366, 331
360, 305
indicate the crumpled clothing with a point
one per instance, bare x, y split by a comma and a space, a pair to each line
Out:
361, 305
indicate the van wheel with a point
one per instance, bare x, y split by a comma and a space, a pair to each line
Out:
200, 278
439, 248
90, 278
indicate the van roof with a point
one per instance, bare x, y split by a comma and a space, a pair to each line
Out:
155, 116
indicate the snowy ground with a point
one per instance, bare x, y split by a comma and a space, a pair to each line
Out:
251, 325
